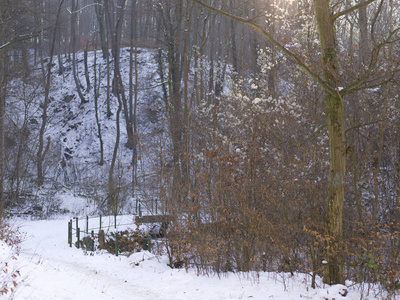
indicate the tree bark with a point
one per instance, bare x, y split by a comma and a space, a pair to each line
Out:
337, 149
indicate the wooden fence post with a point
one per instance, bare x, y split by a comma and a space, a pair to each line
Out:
102, 241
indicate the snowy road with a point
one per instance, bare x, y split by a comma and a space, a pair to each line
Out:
53, 270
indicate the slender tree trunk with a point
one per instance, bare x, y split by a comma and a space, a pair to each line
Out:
60, 63
162, 78
186, 107
111, 184
363, 43
172, 18
41, 153
118, 87
235, 64
73, 41
96, 106
99, 10
133, 90
3, 89
85, 56
108, 90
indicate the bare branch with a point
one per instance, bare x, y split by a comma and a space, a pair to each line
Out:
291, 55
19, 39
374, 59
353, 8
79, 10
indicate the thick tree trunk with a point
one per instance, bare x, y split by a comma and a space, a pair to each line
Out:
337, 172
337, 150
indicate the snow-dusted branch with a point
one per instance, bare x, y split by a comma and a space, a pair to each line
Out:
19, 39
79, 10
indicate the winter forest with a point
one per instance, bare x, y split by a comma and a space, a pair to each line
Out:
267, 132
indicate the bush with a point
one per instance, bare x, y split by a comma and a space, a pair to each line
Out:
10, 277
129, 241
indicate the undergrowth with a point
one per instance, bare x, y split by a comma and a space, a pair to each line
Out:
10, 276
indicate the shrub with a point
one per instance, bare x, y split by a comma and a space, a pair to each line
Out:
10, 277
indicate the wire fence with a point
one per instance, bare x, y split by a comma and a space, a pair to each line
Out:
100, 227
104, 226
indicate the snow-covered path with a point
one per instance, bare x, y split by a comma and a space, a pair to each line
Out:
53, 270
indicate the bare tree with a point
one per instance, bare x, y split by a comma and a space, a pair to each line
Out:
333, 98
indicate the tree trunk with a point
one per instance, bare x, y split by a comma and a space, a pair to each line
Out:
96, 106
85, 55
102, 28
133, 90
185, 161
363, 44
60, 63
41, 153
337, 150
117, 85
172, 21
73, 41
111, 185
3, 85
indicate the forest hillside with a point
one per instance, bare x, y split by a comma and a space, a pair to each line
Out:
265, 133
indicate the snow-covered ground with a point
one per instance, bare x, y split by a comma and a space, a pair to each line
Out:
50, 269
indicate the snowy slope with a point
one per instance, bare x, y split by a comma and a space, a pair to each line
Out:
72, 162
